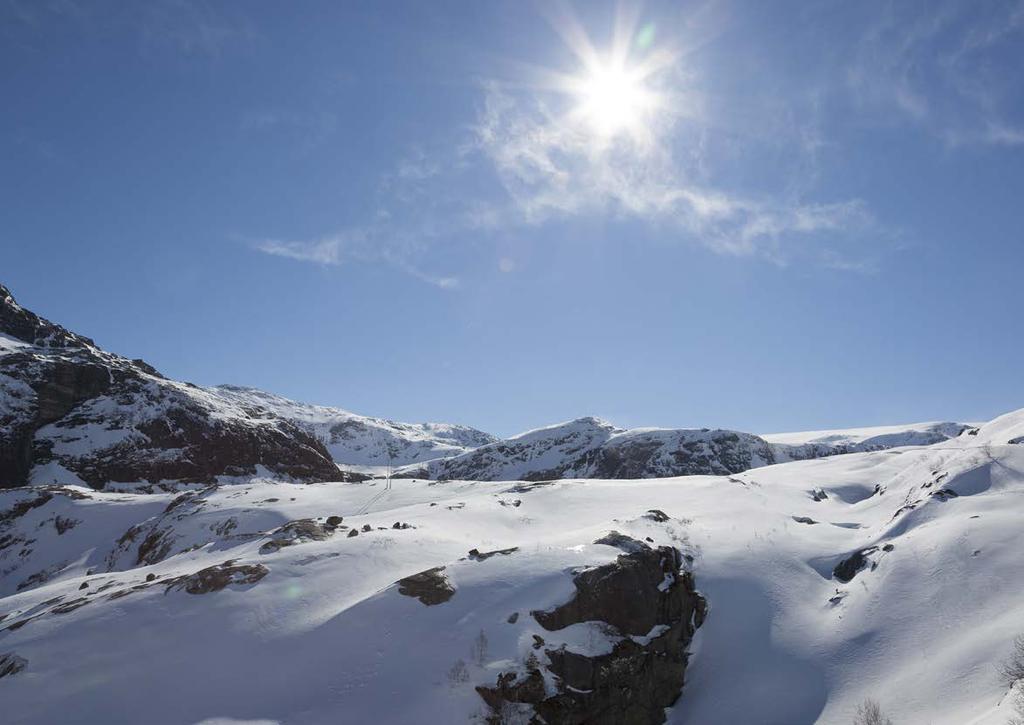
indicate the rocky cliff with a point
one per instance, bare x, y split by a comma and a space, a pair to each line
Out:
648, 609
71, 412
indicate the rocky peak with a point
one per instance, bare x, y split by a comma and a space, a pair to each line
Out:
59, 389
29, 327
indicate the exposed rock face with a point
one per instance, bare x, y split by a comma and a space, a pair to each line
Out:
298, 532
634, 594
593, 448
215, 578
622, 541
73, 413
849, 567
430, 587
682, 453
651, 606
11, 664
477, 555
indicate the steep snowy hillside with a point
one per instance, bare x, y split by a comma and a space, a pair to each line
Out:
893, 575
358, 441
72, 413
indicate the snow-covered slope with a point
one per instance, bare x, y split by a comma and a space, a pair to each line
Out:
877, 438
894, 575
359, 441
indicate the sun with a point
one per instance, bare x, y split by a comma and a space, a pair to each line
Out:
613, 99
621, 95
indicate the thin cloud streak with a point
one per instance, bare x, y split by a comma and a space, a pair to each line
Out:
326, 252
937, 65
354, 246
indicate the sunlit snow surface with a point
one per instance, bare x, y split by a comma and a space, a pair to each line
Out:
325, 638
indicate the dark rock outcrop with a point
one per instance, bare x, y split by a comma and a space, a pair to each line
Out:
650, 605
622, 541
849, 567
477, 555
58, 388
24, 325
11, 664
430, 587
297, 532
632, 594
215, 578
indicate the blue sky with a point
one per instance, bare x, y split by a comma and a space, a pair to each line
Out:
798, 214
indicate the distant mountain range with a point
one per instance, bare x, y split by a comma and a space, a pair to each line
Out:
593, 448
72, 413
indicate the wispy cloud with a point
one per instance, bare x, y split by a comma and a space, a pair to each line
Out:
941, 64
326, 251
547, 164
550, 168
380, 243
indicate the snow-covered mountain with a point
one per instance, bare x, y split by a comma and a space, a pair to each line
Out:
892, 575
859, 440
72, 413
359, 441
593, 448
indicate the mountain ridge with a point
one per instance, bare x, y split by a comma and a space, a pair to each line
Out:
73, 413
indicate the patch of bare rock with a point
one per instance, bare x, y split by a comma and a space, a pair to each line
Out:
649, 602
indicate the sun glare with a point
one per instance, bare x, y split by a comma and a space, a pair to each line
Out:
618, 93
614, 100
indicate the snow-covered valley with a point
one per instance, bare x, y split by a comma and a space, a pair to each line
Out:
313, 629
